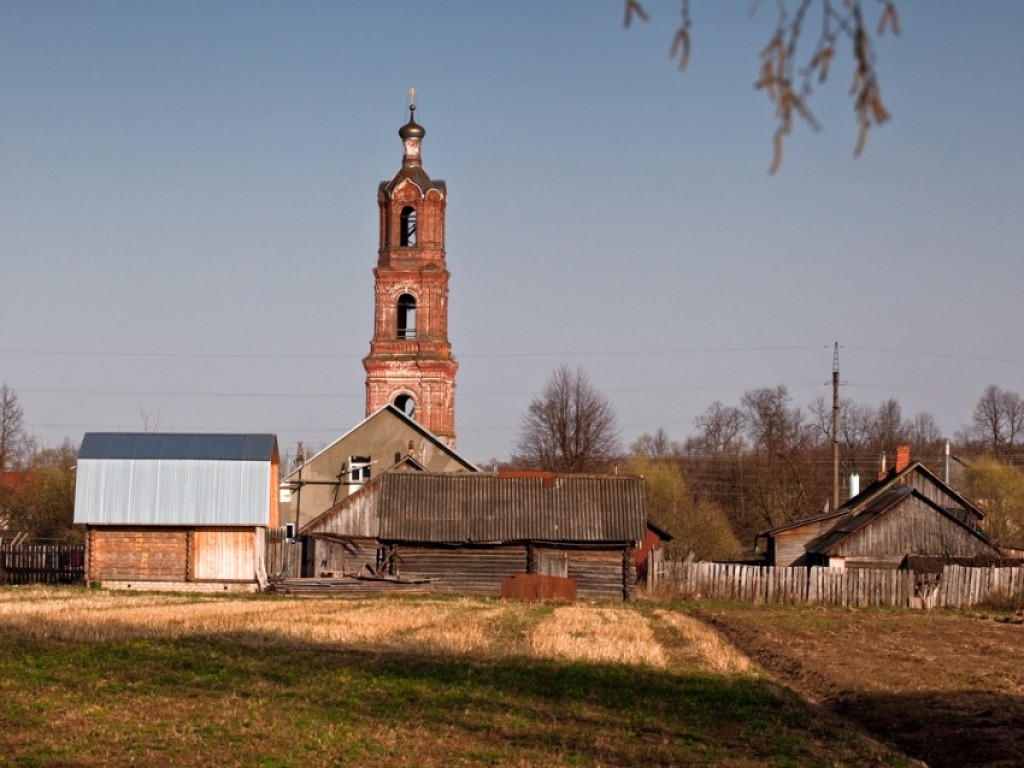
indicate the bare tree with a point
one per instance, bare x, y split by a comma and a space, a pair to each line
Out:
793, 64
12, 430
656, 446
571, 427
998, 421
719, 431
923, 433
773, 425
887, 428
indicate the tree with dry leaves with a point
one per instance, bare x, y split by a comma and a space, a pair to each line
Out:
793, 62
998, 488
570, 427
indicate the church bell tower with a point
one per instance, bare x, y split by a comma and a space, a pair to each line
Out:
410, 363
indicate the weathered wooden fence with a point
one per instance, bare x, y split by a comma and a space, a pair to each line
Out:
42, 564
284, 555
957, 587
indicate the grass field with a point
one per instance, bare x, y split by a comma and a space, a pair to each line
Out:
94, 678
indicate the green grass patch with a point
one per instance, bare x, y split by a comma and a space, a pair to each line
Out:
161, 702
249, 695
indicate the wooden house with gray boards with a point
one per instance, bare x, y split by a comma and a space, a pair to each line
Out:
907, 512
177, 511
386, 438
466, 532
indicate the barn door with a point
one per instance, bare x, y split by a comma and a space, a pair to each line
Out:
308, 557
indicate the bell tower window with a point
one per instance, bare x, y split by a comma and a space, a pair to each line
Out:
406, 316
407, 234
406, 405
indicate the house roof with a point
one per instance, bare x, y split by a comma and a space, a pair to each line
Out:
853, 521
876, 491
178, 445
485, 507
878, 499
175, 479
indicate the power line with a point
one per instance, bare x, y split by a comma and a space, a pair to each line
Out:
336, 356
942, 355
526, 354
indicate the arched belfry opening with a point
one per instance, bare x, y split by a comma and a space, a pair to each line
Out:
410, 364
406, 404
406, 316
407, 227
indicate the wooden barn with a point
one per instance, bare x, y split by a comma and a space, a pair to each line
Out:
907, 512
177, 511
386, 438
467, 532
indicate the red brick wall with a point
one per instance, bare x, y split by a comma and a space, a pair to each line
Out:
421, 367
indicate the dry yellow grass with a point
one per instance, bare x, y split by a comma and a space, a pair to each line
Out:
709, 650
584, 633
575, 632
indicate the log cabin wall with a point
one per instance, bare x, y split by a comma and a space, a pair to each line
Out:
790, 547
466, 570
600, 575
138, 554
122, 555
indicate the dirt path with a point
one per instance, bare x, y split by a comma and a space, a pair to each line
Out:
946, 689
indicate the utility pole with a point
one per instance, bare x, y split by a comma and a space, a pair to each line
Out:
835, 428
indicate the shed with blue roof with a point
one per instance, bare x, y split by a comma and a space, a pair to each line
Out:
176, 510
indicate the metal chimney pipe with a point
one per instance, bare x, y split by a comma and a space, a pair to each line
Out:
854, 484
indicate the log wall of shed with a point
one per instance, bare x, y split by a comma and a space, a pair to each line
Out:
467, 570
138, 554
172, 554
603, 575
791, 546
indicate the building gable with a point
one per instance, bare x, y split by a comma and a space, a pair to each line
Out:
382, 440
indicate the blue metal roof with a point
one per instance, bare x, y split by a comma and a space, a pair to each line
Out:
177, 445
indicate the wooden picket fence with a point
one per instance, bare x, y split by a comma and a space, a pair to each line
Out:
957, 587
284, 555
42, 564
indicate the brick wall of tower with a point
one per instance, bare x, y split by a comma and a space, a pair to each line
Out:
430, 288
421, 366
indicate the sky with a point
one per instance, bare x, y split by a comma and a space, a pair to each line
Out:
188, 216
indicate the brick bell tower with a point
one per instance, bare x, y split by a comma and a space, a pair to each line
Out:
410, 363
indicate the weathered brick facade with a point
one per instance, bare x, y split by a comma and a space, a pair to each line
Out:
410, 362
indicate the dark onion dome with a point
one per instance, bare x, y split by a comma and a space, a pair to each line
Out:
412, 129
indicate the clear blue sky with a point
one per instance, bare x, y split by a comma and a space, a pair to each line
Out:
188, 212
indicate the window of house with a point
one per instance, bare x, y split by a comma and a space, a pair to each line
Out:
359, 469
406, 316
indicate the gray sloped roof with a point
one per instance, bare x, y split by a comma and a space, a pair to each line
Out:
465, 508
177, 445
